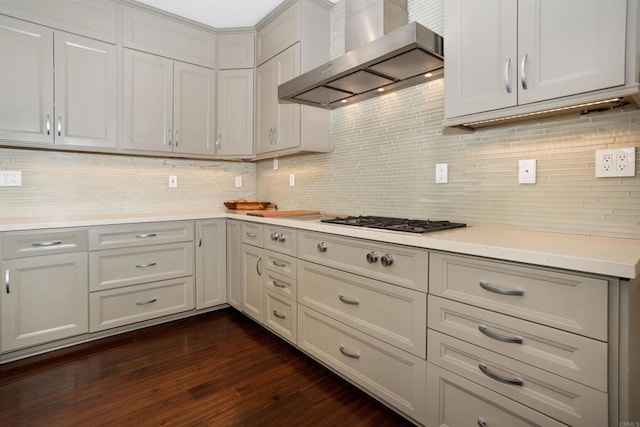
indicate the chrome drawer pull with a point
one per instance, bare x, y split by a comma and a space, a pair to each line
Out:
322, 247
523, 71
143, 236
251, 234
149, 264
274, 236
278, 284
279, 264
507, 79
482, 422
347, 300
386, 260
45, 244
258, 266
372, 257
6, 282
502, 379
278, 315
48, 125
349, 354
501, 291
151, 301
282, 237
499, 337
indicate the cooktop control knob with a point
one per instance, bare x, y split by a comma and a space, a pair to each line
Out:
386, 260
372, 257
322, 247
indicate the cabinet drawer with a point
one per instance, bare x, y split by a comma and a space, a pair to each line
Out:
572, 356
279, 263
131, 235
562, 300
390, 313
20, 244
123, 267
562, 399
408, 269
118, 307
283, 240
280, 315
389, 373
252, 234
278, 283
454, 401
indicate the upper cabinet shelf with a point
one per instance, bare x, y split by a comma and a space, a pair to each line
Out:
508, 58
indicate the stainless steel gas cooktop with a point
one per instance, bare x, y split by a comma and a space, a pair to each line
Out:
395, 224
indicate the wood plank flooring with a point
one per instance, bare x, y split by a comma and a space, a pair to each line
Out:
218, 369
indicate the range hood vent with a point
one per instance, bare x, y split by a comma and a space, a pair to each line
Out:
407, 56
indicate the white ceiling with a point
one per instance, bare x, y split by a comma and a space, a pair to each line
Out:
218, 13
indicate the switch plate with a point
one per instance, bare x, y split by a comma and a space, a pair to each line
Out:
10, 178
238, 181
292, 180
616, 162
173, 181
442, 173
527, 171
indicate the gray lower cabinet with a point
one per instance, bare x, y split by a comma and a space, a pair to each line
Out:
45, 289
252, 282
234, 264
211, 268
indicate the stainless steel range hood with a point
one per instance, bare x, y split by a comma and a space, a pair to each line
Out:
406, 56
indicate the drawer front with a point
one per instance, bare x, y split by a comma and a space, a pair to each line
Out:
123, 267
390, 313
20, 244
566, 301
279, 263
408, 268
253, 234
142, 234
572, 356
119, 307
280, 284
454, 401
279, 239
393, 375
557, 397
280, 315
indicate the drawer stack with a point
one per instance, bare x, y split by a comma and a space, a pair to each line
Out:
139, 272
507, 339
369, 326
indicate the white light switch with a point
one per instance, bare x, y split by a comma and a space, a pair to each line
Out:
527, 171
238, 181
442, 173
10, 178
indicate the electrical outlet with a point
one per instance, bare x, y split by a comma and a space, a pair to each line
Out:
239, 181
616, 162
292, 180
527, 171
441, 173
10, 178
275, 164
173, 181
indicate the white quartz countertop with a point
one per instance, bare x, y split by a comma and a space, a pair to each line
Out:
609, 256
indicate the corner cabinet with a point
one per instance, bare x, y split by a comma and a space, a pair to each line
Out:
291, 41
211, 271
168, 105
535, 55
83, 110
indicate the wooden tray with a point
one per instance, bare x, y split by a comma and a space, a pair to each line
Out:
275, 214
249, 205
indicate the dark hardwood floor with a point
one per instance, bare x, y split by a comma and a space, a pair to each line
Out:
217, 369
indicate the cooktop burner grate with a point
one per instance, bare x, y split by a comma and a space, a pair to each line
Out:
395, 224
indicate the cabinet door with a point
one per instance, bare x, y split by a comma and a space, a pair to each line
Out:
566, 49
211, 286
234, 264
85, 82
45, 299
26, 81
235, 112
252, 281
278, 124
481, 71
193, 109
148, 102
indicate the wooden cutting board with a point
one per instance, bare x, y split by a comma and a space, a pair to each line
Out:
275, 214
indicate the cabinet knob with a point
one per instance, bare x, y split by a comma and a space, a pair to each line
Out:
372, 257
322, 247
274, 236
386, 260
282, 237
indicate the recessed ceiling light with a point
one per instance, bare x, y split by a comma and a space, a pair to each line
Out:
428, 75
380, 89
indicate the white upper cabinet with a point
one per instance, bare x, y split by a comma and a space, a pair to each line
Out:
168, 105
83, 112
235, 112
505, 57
236, 51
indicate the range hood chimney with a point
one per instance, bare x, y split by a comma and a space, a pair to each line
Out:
384, 54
